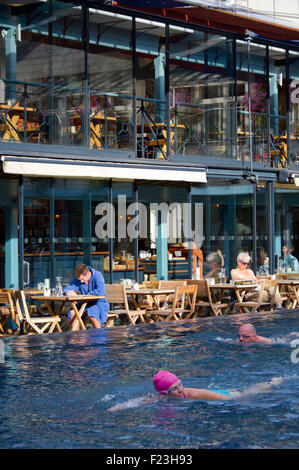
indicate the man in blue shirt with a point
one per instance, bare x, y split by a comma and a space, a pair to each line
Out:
88, 281
287, 262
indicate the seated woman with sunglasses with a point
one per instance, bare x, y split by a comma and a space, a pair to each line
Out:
243, 273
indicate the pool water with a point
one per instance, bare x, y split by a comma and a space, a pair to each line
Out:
56, 390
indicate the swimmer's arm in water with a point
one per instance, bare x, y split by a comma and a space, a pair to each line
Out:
257, 388
202, 394
134, 402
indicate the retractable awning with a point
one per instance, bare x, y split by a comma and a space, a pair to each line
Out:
61, 168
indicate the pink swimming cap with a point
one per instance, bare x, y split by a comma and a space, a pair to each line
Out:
163, 380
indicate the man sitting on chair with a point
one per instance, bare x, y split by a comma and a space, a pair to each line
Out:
88, 281
243, 273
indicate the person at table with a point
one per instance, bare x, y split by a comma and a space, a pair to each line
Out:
215, 262
247, 334
243, 273
197, 256
88, 281
287, 262
262, 262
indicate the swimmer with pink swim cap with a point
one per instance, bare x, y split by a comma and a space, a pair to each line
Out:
167, 383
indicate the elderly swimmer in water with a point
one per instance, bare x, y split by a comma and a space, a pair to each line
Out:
169, 384
247, 334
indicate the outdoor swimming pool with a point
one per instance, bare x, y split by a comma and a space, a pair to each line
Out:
55, 390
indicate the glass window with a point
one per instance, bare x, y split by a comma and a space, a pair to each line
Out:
262, 225
278, 103
286, 224
150, 89
110, 80
226, 218
167, 202
294, 107
54, 64
201, 93
37, 236
252, 102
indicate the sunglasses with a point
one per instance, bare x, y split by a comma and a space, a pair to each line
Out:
244, 336
244, 262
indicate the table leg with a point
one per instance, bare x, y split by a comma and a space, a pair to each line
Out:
79, 313
53, 314
11, 131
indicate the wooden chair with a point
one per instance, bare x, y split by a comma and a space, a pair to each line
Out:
38, 325
204, 299
169, 284
7, 311
146, 302
248, 306
183, 303
116, 294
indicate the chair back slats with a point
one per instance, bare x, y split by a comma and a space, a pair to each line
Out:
203, 292
115, 293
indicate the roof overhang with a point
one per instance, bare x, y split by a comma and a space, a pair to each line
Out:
225, 20
65, 168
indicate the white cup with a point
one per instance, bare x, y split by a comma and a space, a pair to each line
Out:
136, 286
212, 282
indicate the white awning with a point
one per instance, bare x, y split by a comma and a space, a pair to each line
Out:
101, 170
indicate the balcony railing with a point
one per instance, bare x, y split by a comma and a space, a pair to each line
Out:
57, 115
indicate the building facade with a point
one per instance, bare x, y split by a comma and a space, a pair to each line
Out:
128, 134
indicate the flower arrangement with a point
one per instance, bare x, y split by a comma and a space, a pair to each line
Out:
258, 95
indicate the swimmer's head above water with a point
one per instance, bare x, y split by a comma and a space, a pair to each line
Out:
167, 383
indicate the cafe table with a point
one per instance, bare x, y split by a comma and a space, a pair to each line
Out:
218, 290
73, 301
158, 296
289, 290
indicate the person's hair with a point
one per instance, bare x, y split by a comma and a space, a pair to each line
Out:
214, 258
261, 255
250, 327
81, 269
243, 254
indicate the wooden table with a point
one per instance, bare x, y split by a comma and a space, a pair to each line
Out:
85, 299
156, 135
14, 122
289, 288
239, 289
155, 294
97, 123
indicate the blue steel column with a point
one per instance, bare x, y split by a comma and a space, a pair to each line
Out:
11, 63
52, 232
111, 240
274, 104
11, 247
189, 215
254, 234
136, 241
160, 87
87, 230
21, 232
270, 223
162, 245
